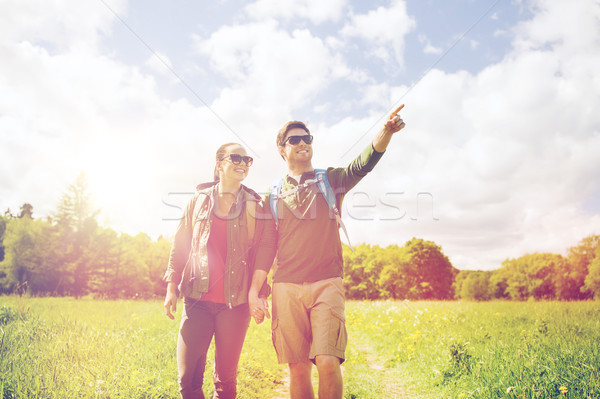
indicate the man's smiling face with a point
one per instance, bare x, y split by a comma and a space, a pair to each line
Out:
299, 153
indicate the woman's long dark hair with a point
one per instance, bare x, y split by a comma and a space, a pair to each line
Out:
221, 152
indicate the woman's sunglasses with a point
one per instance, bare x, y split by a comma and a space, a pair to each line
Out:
295, 140
236, 159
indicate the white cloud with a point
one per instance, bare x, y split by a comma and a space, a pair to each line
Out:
160, 63
270, 71
61, 24
509, 153
386, 28
67, 108
317, 11
550, 26
429, 48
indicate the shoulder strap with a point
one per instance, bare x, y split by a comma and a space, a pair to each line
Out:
325, 188
274, 199
329, 194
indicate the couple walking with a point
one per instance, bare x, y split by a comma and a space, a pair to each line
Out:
225, 245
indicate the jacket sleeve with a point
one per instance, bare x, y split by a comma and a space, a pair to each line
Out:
343, 180
182, 244
267, 245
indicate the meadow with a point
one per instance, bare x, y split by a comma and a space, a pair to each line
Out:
67, 348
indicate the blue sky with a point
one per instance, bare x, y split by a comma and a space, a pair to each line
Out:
498, 159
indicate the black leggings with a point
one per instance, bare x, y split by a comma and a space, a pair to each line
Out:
200, 321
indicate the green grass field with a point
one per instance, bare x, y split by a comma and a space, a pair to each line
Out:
67, 348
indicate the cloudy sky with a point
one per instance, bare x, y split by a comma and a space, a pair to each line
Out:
500, 156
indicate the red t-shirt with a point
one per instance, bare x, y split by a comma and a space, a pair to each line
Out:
217, 254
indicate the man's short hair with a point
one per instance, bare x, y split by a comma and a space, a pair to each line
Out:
287, 127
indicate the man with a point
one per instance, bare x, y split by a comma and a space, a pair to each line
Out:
308, 296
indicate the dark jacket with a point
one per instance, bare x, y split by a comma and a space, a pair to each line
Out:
188, 261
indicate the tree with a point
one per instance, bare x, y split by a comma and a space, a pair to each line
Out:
398, 275
158, 258
361, 271
75, 206
105, 266
532, 275
26, 211
592, 280
75, 222
472, 285
26, 258
434, 272
154, 257
8, 214
580, 257
3, 222
498, 284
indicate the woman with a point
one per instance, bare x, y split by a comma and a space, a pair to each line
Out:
211, 265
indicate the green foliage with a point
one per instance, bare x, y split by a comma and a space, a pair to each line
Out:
75, 208
26, 211
398, 276
24, 258
473, 285
434, 272
532, 276
580, 258
362, 268
3, 222
416, 271
592, 280
460, 361
71, 255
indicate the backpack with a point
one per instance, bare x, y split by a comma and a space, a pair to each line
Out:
325, 189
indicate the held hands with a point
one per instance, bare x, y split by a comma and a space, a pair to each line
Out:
259, 308
394, 123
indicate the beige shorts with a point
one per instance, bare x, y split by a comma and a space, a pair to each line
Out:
308, 320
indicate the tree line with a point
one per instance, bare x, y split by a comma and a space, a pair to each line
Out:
419, 270
69, 253
538, 276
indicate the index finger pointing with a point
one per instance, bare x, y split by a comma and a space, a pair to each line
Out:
397, 110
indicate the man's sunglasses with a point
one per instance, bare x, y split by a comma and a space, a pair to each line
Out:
295, 140
236, 159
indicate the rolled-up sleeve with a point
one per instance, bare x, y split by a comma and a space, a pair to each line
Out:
181, 245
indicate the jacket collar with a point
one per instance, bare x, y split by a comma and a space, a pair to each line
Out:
210, 189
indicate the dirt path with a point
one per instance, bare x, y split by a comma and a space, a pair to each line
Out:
393, 388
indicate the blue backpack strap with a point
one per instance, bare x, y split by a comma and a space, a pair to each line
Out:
329, 194
326, 189
274, 199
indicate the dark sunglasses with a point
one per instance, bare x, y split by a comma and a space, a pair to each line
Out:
236, 159
295, 140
